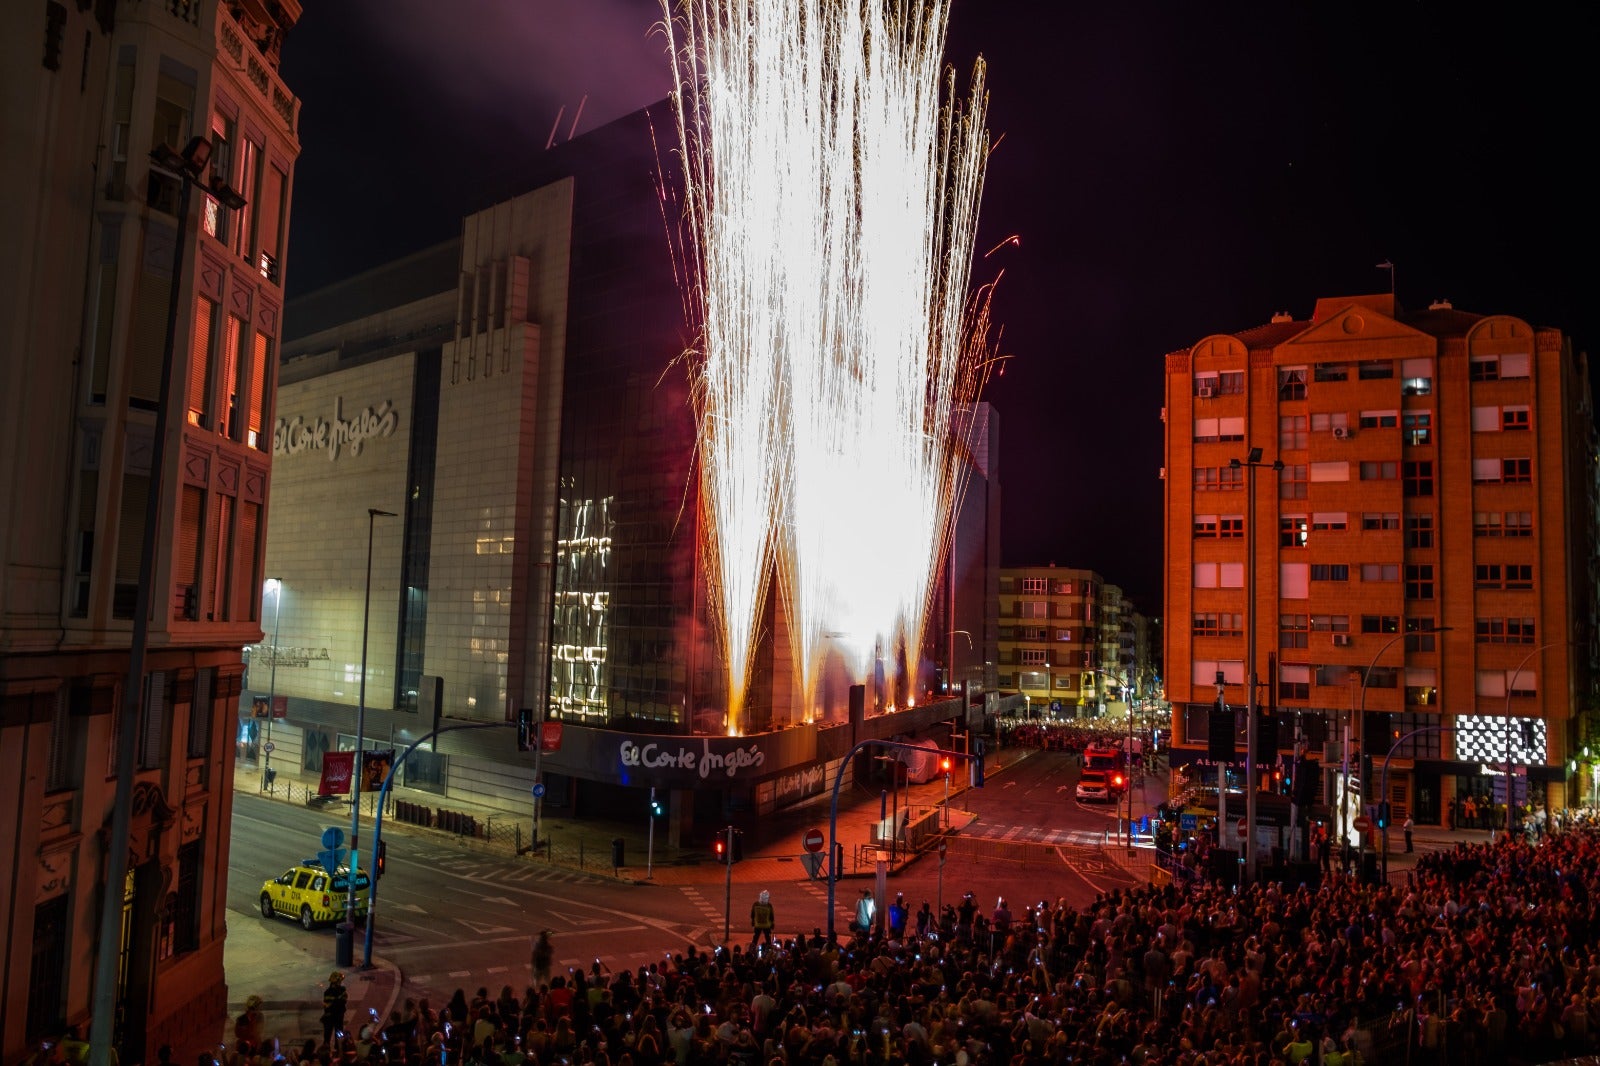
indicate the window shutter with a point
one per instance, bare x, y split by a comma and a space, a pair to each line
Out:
200, 714
200, 363
154, 715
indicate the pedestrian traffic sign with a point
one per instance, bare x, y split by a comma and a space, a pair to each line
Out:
268, 747
538, 790
813, 841
943, 847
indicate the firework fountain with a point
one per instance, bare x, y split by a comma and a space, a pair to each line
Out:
831, 204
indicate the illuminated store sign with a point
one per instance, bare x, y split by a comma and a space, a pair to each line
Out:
291, 436
705, 762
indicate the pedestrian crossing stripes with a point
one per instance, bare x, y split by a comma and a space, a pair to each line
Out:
1035, 835
527, 874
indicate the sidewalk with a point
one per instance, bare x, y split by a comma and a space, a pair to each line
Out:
289, 974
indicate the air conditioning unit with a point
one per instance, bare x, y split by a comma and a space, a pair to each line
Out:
1341, 432
1205, 392
1341, 640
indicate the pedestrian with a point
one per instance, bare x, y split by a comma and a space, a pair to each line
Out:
898, 914
866, 912
335, 998
543, 950
1406, 828
247, 1028
761, 919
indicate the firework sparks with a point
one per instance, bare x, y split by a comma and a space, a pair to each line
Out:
832, 206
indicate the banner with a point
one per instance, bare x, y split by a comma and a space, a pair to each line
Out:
374, 768
260, 707
336, 768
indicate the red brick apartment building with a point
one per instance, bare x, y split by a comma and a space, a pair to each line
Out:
1424, 565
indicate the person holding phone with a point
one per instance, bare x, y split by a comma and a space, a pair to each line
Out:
335, 998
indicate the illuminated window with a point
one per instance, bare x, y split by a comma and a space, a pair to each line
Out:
1292, 531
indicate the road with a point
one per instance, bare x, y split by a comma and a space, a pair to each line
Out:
455, 915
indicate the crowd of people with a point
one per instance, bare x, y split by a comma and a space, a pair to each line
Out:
1489, 954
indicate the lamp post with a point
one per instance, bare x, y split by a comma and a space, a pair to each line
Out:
1511, 684
272, 686
1250, 462
344, 944
1366, 676
187, 167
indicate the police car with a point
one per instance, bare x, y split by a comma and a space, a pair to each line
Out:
308, 893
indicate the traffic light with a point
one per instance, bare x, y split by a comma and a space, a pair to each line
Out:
1266, 735
719, 848
1383, 814
383, 858
944, 764
524, 728
1277, 781
657, 808
1303, 789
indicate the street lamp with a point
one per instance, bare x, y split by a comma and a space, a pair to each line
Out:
344, 945
1511, 685
276, 585
187, 167
1250, 462
1361, 714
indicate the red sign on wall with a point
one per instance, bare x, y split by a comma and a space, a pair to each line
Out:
550, 736
336, 770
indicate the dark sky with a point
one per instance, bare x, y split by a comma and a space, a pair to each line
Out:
1173, 169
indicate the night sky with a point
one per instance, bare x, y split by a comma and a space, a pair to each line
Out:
1173, 170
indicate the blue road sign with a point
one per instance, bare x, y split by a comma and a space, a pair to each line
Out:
538, 791
332, 837
1188, 822
332, 858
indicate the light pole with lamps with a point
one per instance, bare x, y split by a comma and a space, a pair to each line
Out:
187, 167
1511, 685
272, 687
1361, 715
344, 944
1250, 462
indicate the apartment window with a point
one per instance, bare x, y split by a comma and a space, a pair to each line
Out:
1206, 430
1514, 418
1380, 419
1419, 581
1205, 385
1330, 421
1291, 432
1418, 476
1372, 470
1331, 674
1033, 609
1292, 531
184, 933
1219, 624
1031, 632
1503, 576
214, 217
1294, 631
1377, 520
1380, 571
1330, 623
1293, 482
1231, 526
1034, 586
1516, 471
1416, 427
199, 745
1330, 572
1230, 429
1419, 530
1292, 383
235, 376
153, 713
1334, 521
1518, 523
1230, 383
1484, 368
1421, 634
257, 435
1294, 681
1335, 471
68, 735
1330, 372
1515, 365
202, 362
1375, 369
1502, 524
1033, 657
1380, 623
1205, 525
1504, 630
1218, 478
1416, 377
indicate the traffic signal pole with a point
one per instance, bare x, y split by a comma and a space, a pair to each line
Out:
727, 891
650, 846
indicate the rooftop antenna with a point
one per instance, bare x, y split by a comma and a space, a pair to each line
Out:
554, 126
1389, 266
579, 114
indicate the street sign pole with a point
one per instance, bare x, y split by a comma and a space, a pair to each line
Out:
941, 880
650, 846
